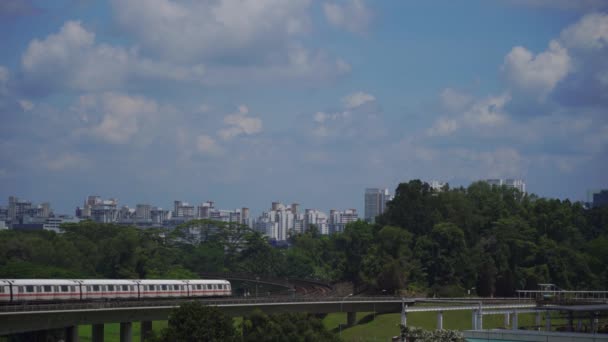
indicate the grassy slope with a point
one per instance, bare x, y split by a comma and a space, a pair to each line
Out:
382, 327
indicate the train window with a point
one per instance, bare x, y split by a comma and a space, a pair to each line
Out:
1, 289
29, 288
125, 287
95, 287
21, 290
110, 287
164, 287
64, 288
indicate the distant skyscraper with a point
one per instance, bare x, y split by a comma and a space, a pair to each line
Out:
518, 184
600, 198
339, 219
437, 185
375, 202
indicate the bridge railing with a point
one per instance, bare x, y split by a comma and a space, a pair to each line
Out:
177, 302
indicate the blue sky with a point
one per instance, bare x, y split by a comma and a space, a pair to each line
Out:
249, 102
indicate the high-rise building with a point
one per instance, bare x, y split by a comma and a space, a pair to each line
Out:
339, 219
375, 202
437, 186
600, 198
183, 209
518, 184
281, 221
104, 211
143, 212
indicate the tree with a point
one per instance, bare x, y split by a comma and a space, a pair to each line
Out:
195, 322
296, 327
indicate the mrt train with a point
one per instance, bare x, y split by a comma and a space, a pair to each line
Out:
57, 290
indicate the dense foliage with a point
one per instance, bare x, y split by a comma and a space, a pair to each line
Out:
493, 239
194, 322
296, 327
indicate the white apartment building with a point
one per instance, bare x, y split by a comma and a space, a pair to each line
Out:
518, 184
437, 185
339, 219
183, 209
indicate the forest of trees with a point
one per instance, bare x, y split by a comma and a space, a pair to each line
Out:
493, 239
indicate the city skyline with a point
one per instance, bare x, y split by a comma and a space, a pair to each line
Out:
178, 99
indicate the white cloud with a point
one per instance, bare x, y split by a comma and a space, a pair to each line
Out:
191, 30
488, 112
64, 161
357, 99
454, 100
537, 73
442, 127
591, 32
4, 77
115, 118
352, 16
26, 105
582, 5
3, 74
207, 145
73, 59
239, 123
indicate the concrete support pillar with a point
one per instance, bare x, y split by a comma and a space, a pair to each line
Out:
97, 333
146, 330
507, 320
570, 321
404, 316
351, 318
538, 320
480, 320
515, 322
474, 320
440, 320
594, 323
548, 321
126, 332
71, 334
579, 326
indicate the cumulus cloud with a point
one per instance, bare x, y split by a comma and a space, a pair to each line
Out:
4, 77
442, 127
537, 73
205, 144
26, 105
481, 114
357, 99
352, 16
591, 32
115, 118
583, 5
356, 118
191, 30
63, 161
73, 59
454, 100
240, 124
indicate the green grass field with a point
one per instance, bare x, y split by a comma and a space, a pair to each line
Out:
383, 327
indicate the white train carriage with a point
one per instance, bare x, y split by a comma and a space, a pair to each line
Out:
26, 290
208, 288
5, 291
109, 289
163, 288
